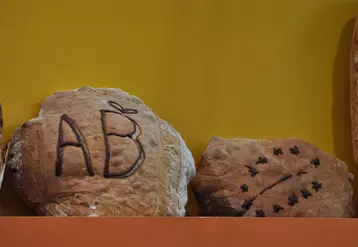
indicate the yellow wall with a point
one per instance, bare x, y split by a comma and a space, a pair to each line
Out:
253, 69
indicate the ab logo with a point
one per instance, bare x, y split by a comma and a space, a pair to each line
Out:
81, 142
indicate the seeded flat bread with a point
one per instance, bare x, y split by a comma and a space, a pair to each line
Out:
274, 178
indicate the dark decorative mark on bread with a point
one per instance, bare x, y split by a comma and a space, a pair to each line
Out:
306, 193
277, 208
262, 160
295, 150
244, 188
316, 162
260, 213
277, 151
292, 200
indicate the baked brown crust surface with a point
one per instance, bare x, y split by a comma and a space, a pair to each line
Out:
100, 152
273, 177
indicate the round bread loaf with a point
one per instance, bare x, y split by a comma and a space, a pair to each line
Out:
100, 152
273, 177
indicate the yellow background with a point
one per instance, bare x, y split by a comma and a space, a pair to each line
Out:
254, 69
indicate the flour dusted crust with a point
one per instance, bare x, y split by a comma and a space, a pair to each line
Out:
274, 178
149, 164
